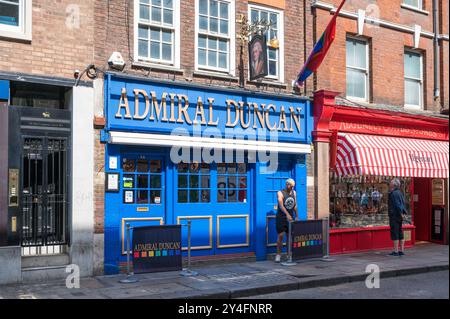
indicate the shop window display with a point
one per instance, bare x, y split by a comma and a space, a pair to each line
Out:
362, 201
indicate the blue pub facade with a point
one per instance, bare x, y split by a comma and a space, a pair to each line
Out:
217, 156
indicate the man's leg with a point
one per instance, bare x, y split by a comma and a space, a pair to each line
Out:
396, 246
402, 245
280, 243
279, 247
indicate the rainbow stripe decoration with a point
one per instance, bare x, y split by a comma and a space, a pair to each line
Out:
320, 50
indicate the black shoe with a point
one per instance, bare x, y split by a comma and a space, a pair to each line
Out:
401, 253
394, 254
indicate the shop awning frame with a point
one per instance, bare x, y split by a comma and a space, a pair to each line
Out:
126, 138
359, 154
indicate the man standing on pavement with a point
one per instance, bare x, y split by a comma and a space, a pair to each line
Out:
286, 212
396, 211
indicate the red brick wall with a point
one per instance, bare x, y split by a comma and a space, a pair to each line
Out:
57, 48
386, 52
112, 36
444, 57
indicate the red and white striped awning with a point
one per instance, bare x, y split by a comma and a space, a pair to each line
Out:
358, 154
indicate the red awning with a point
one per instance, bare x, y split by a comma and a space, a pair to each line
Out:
359, 154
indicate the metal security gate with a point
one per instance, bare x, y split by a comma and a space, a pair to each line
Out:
44, 203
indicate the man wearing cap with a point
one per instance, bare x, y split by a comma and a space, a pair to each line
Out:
286, 212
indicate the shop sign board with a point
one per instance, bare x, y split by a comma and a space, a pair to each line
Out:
157, 248
307, 239
143, 105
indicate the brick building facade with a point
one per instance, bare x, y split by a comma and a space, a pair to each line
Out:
64, 36
45, 117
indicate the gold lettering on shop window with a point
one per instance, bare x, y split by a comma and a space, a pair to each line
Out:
138, 116
236, 112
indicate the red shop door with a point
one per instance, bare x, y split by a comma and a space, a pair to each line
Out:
422, 208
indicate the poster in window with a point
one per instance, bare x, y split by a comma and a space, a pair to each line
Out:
257, 49
128, 197
112, 182
437, 191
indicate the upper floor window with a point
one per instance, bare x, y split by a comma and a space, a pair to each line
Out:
413, 3
275, 63
357, 69
413, 79
157, 24
15, 19
215, 34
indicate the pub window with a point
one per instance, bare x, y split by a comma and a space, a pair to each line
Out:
194, 182
357, 69
215, 34
15, 19
275, 63
158, 31
232, 182
141, 181
413, 79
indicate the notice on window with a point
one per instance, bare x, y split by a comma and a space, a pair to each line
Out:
437, 189
129, 197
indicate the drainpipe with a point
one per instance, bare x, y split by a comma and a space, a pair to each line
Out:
436, 49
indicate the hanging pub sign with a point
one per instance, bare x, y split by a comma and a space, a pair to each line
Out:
307, 239
157, 248
257, 51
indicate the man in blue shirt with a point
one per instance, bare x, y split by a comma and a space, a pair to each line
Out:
396, 211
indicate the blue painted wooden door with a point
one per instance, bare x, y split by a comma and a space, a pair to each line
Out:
272, 184
216, 198
143, 197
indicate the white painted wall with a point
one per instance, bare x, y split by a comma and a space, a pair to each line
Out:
82, 205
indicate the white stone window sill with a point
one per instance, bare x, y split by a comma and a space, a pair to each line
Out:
23, 36
160, 67
408, 7
413, 107
268, 82
222, 76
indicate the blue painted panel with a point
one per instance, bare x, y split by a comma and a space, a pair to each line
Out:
116, 85
201, 235
232, 231
4, 90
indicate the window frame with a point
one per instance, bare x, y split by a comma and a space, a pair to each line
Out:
175, 28
23, 30
419, 7
188, 188
280, 37
367, 70
231, 69
421, 81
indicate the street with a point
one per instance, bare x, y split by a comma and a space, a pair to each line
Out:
431, 285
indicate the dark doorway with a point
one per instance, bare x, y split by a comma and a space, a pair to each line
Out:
44, 203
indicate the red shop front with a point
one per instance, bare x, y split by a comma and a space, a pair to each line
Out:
366, 149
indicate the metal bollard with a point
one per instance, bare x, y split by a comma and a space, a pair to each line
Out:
187, 271
130, 276
327, 256
289, 262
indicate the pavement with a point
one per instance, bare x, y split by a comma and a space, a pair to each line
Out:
430, 285
235, 280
